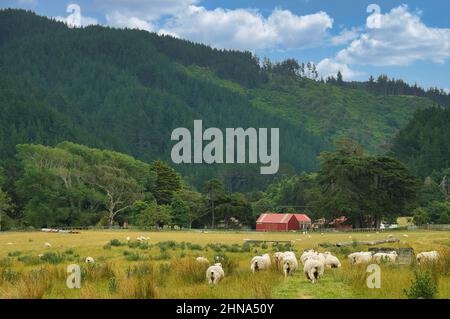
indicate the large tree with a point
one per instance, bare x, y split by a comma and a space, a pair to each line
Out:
168, 181
364, 188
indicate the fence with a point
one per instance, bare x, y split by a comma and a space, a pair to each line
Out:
431, 227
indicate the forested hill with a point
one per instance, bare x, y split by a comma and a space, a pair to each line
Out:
126, 90
424, 144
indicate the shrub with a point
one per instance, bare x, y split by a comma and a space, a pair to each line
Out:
29, 260
14, 253
52, 258
115, 243
189, 270
422, 287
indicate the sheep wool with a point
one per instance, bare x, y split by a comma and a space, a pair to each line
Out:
313, 269
215, 273
290, 265
89, 260
260, 263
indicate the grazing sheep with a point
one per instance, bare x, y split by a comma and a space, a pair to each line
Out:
215, 273
142, 238
202, 260
9, 243
260, 263
290, 265
330, 260
312, 254
405, 235
427, 256
313, 269
47, 245
89, 260
385, 257
360, 257
128, 238
41, 255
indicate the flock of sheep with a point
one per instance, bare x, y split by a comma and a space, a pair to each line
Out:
314, 263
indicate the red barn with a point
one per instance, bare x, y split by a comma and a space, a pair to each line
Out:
303, 220
277, 222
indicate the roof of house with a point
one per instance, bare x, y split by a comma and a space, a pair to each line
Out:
302, 218
274, 218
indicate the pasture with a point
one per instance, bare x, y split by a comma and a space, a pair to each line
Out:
165, 266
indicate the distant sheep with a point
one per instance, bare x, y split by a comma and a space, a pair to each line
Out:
215, 273
89, 260
427, 256
290, 265
142, 238
313, 269
128, 238
360, 257
202, 260
260, 263
48, 245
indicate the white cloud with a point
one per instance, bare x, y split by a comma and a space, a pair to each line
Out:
329, 67
398, 37
345, 36
117, 19
75, 19
248, 29
146, 10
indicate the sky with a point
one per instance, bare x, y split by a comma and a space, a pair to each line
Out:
407, 39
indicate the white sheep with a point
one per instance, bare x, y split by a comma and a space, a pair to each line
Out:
313, 269
89, 260
128, 238
330, 260
360, 257
290, 264
260, 263
385, 257
215, 273
427, 256
306, 254
48, 245
202, 260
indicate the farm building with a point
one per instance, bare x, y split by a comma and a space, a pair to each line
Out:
303, 220
276, 222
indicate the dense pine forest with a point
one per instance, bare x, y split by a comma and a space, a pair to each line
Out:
87, 113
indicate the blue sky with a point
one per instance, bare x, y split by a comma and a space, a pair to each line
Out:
407, 39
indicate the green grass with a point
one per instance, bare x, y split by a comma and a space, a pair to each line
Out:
165, 267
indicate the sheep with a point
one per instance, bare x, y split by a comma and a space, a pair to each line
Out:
311, 254
290, 264
89, 260
202, 260
405, 235
427, 256
128, 238
260, 263
48, 245
330, 260
360, 257
385, 257
215, 273
41, 255
313, 269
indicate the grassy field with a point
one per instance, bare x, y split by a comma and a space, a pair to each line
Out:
164, 267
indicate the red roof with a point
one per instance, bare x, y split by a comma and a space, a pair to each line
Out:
302, 218
274, 218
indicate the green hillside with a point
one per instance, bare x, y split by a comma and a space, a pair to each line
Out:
126, 90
